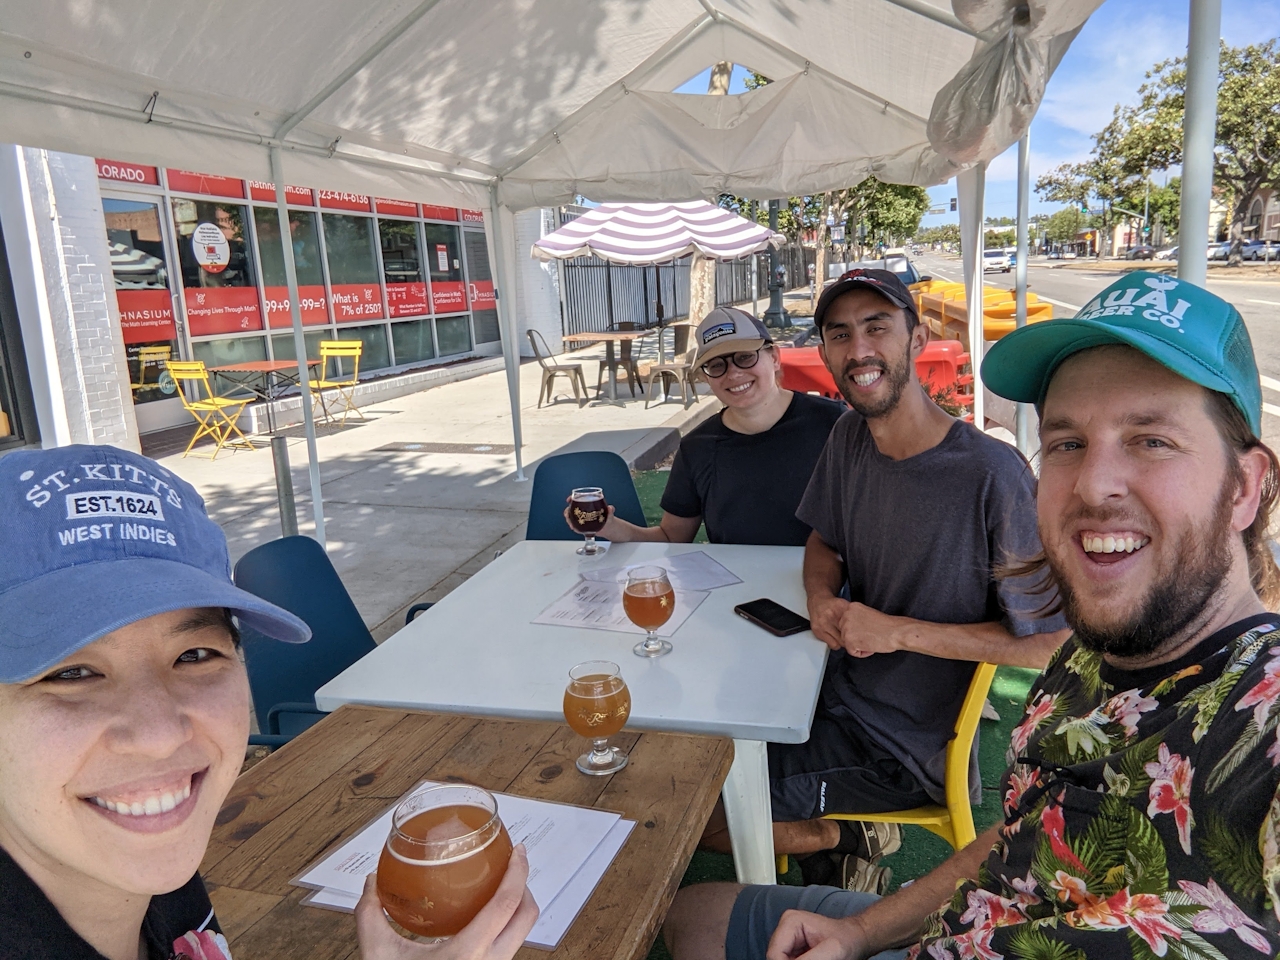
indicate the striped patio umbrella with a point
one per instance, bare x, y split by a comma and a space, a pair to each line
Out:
652, 233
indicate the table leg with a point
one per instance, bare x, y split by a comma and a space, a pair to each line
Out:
749, 813
610, 358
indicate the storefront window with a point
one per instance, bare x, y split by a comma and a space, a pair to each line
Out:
17, 409
376, 355
215, 353
444, 259
453, 335
412, 340
480, 287
353, 267
219, 286
282, 344
402, 269
306, 259
142, 295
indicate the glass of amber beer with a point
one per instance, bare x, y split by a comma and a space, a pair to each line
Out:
588, 511
649, 602
596, 705
444, 858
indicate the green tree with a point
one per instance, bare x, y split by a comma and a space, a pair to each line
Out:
1247, 154
946, 233
1065, 225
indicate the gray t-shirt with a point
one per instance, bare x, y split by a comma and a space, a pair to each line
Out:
920, 538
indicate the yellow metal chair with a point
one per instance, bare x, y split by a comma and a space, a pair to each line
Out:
215, 415
343, 386
147, 356
954, 822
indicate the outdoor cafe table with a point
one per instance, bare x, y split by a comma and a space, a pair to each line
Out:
608, 338
265, 379
309, 796
477, 652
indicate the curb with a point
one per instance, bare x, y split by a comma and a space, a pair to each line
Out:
660, 442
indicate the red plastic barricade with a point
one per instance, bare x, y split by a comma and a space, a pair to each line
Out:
938, 367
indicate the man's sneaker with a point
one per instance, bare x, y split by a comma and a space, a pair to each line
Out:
868, 840
864, 876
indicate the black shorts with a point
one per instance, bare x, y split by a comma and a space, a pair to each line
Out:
836, 771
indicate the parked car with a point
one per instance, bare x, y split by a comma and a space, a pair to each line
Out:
895, 263
1170, 254
1219, 251
1258, 250
1141, 251
995, 260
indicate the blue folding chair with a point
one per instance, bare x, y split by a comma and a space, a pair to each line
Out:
294, 573
557, 476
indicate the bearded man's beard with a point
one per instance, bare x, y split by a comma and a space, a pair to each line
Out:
1181, 594
896, 377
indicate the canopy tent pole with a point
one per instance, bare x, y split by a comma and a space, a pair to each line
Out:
1022, 416
1199, 134
299, 344
970, 189
508, 321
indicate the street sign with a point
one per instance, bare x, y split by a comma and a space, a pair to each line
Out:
831, 220
837, 234
934, 211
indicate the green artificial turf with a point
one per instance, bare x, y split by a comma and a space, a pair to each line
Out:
921, 850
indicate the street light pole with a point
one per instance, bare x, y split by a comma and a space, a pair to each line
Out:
1199, 128
775, 316
1022, 414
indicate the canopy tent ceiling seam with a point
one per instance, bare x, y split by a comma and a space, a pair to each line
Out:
333, 86
618, 88
930, 12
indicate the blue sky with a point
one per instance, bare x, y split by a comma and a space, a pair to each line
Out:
1104, 66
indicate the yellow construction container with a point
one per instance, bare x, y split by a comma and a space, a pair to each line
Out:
942, 305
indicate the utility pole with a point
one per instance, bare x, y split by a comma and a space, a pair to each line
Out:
775, 316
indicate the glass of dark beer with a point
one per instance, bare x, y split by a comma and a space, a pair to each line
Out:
588, 512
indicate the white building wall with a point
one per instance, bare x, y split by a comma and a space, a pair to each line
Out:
537, 283
56, 241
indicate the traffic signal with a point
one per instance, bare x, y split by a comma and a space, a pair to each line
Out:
953, 204
1084, 206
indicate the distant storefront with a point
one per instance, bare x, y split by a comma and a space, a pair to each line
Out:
198, 263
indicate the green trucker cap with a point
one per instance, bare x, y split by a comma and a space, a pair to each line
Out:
1177, 324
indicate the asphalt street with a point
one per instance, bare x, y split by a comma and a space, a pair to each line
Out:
1070, 288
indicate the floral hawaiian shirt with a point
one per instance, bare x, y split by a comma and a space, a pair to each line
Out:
1142, 813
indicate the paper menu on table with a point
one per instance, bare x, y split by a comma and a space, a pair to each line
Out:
559, 838
696, 570
556, 917
597, 605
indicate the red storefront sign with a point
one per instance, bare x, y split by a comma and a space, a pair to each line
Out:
127, 172
356, 301
261, 190
481, 293
222, 310
407, 299
310, 299
146, 316
448, 296
399, 208
185, 181
472, 216
439, 213
334, 200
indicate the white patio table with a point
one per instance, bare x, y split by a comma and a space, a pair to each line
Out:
476, 652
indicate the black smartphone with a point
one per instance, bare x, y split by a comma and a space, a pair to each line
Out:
773, 616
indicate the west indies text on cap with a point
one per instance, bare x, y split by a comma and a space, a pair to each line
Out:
1181, 326
884, 282
728, 330
96, 538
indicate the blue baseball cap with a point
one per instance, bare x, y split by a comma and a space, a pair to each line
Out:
96, 538
1179, 325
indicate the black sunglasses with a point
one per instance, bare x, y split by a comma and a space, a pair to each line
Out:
717, 367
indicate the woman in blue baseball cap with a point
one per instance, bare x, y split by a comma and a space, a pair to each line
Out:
124, 714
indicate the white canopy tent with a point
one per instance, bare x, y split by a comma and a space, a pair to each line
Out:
508, 104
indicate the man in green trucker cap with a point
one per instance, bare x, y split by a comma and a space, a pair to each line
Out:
1141, 804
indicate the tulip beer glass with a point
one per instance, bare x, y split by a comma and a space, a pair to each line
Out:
588, 510
596, 705
649, 602
445, 856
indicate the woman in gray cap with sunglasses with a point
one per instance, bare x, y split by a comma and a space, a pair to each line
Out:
743, 471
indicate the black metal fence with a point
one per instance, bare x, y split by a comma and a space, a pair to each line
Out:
595, 296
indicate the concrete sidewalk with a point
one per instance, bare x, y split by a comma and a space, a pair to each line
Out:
420, 495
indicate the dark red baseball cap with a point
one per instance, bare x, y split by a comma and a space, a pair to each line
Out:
884, 282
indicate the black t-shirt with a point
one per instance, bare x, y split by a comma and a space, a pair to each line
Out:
32, 929
921, 538
746, 487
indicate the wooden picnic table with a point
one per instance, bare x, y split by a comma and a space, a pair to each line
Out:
609, 338
313, 794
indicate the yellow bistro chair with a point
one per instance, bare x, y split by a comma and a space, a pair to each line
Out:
954, 822
148, 356
215, 415
344, 387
